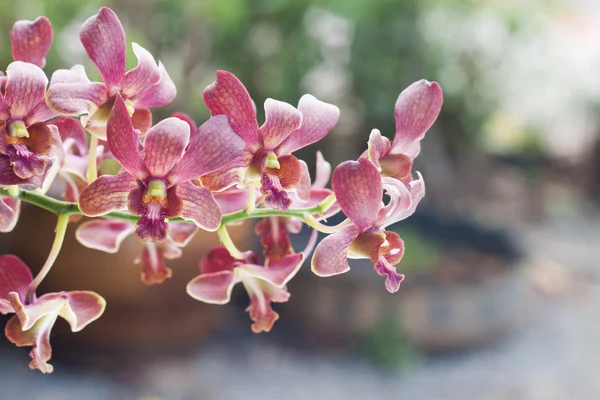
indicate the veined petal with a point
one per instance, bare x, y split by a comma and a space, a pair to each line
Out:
104, 235
154, 269
184, 117
199, 206
277, 272
274, 238
276, 196
212, 146
31, 40
81, 308
41, 113
227, 95
232, 199
25, 88
318, 118
159, 95
323, 172
38, 337
107, 193
417, 108
71, 131
165, 144
143, 76
74, 75
218, 259
373, 245
303, 188
10, 209
103, 38
141, 120
281, 119
15, 277
358, 189
123, 141
8, 176
331, 255
404, 200
212, 288
393, 278
76, 99
218, 180
181, 233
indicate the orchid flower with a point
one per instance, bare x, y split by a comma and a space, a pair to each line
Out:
156, 183
267, 161
35, 317
359, 190
107, 235
220, 272
417, 108
146, 86
25, 138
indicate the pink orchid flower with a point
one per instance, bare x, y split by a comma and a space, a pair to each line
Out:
417, 108
265, 284
359, 190
146, 86
107, 235
156, 182
267, 161
25, 138
36, 316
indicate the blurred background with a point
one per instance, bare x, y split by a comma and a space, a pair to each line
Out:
501, 297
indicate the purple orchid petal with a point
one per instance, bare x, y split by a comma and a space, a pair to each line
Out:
379, 146
38, 337
262, 294
15, 277
25, 88
159, 95
358, 189
31, 40
103, 38
199, 206
104, 235
417, 108
220, 180
323, 172
403, 200
213, 146
152, 225
218, 259
165, 144
281, 119
154, 269
181, 233
8, 176
142, 77
318, 118
189, 120
9, 213
212, 288
232, 200
71, 131
393, 278
274, 238
276, 271
123, 141
227, 95
76, 99
276, 196
331, 255
303, 189
41, 113
107, 193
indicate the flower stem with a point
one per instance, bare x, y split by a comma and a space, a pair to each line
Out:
315, 224
228, 243
92, 172
61, 229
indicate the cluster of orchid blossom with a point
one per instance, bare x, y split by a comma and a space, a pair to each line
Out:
177, 177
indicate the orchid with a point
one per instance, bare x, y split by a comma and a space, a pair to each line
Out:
157, 185
267, 161
165, 182
359, 191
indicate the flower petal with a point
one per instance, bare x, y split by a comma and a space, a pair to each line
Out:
199, 206
143, 76
71, 131
261, 295
107, 193
274, 238
227, 95
31, 40
303, 189
358, 189
417, 108
38, 337
218, 180
103, 38
218, 259
378, 147
154, 269
81, 308
123, 141
25, 88
331, 255
212, 288
159, 95
276, 271
8, 176
186, 118
181, 233
397, 166
141, 120
104, 235
74, 75
323, 172
393, 278
213, 146
276, 196
281, 119
41, 113
15, 277
76, 99
318, 118
9, 213
232, 200
403, 200
165, 144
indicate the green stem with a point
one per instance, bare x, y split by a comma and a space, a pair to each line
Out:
227, 242
92, 172
61, 229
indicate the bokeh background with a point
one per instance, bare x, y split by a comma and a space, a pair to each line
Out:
501, 297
